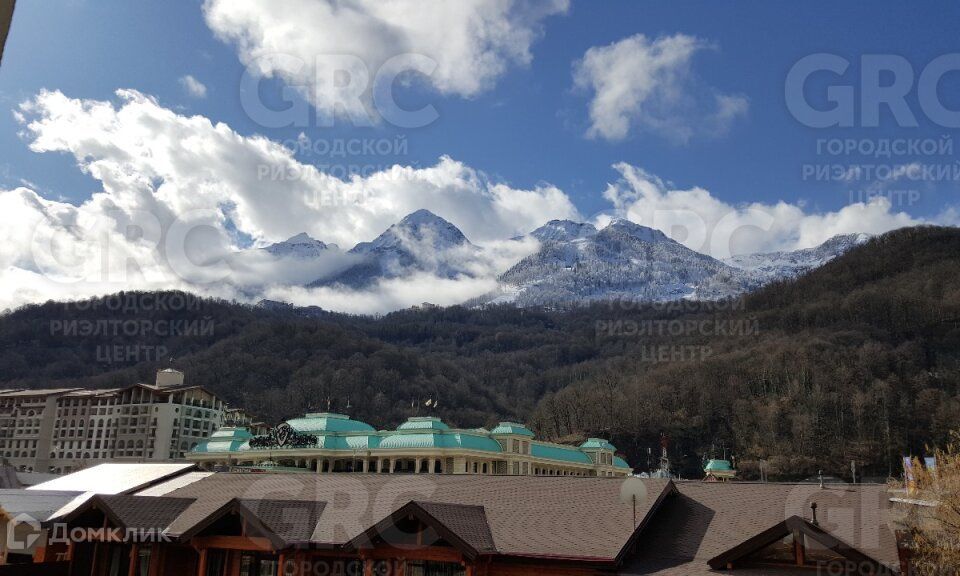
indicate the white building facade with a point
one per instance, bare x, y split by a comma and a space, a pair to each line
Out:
62, 430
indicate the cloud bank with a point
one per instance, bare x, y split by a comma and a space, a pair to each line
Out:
648, 85
467, 44
186, 203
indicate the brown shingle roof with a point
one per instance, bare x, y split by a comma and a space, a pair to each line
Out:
566, 517
469, 523
706, 519
292, 521
463, 526
137, 512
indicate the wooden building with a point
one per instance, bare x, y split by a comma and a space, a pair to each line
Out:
234, 524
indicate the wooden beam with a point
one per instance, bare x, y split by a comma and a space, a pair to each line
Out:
798, 547
249, 543
134, 556
202, 564
156, 555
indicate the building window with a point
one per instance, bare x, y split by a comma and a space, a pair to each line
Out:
253, 564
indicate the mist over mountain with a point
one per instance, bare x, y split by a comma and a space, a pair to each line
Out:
572, 263
299, 246
421, 242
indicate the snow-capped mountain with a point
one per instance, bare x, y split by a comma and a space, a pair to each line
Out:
420, 242
563, 231
773, 266
624, 260
574, 263
299, 246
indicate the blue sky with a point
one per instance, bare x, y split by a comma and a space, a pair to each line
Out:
529, 127
516, 105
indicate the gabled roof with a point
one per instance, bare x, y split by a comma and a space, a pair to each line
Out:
464, 526
135, 512
706, 519
284, 523
809, 530
543, 518
292, 521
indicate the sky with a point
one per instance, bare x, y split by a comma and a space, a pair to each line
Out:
727, 125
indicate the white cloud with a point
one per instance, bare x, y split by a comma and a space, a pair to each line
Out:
707, 224
471, 42
193, 87
648, 85
179, 191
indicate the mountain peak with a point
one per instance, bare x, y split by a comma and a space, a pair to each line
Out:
422, 226
643, 233
301, 245
422, 216
301, 238
563, 231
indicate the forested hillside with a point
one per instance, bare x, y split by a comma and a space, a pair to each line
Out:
857, 360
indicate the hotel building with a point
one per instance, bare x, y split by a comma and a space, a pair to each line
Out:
65, 429
326, 442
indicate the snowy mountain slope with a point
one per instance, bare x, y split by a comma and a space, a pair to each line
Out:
773, 266
420, 242
299, 246
622, 261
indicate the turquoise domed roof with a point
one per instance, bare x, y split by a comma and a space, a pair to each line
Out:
226, 439
326, 422
718, 466
423, 423
598, 444
512, 428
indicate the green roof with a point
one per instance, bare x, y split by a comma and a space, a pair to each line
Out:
226, 439
319, 423
440, 440
559, 453
423, 423
339, 432
717, 466
504, 428
598, 444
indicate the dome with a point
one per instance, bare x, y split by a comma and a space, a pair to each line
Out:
423, 423
226, 439
598, 444
511, 428
325, 423
718, 466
